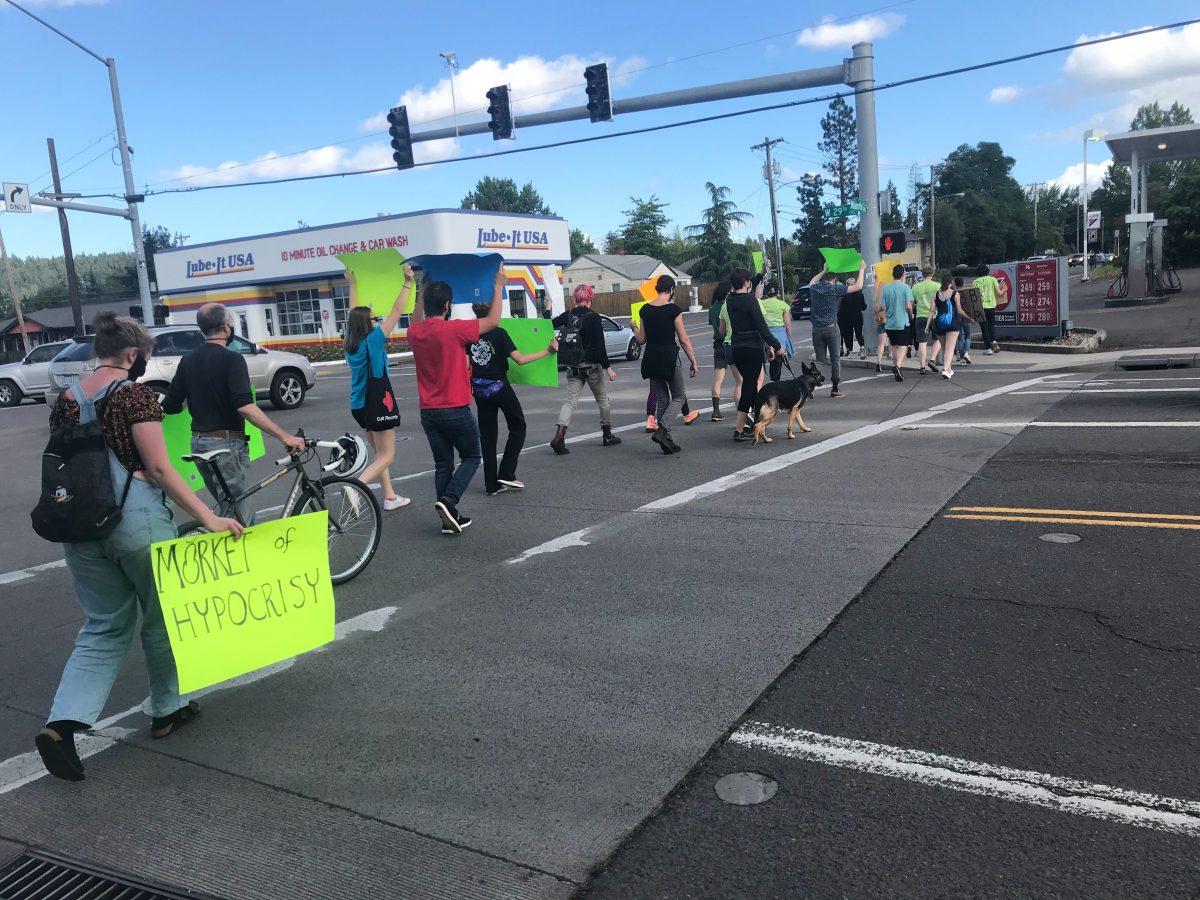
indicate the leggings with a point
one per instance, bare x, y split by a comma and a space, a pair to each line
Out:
652, 401
749, 363
668, 391
851, 327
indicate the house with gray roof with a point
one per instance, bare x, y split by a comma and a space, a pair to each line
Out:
612, 272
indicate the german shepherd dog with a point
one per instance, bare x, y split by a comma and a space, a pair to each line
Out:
788, 395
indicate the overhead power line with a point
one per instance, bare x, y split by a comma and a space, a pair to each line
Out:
891, 85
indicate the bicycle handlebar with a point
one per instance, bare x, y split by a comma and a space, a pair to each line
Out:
309, 444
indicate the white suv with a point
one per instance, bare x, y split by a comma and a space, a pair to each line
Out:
284, 377
30, 377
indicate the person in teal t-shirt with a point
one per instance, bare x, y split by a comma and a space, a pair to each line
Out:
897, 303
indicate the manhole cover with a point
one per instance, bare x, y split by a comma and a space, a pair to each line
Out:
746, 788
1060, 537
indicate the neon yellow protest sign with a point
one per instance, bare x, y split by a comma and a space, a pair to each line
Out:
177, 435
231, 607
378, 278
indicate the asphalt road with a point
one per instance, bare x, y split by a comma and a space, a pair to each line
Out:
1175, 323
985, 643
501, 711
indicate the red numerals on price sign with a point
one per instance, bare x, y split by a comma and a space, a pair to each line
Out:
1037, 293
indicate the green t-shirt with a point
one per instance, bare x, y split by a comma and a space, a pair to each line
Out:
987, 290
773, 309
724, 317
923, 292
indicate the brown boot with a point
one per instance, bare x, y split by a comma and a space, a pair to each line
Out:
610, 439
559, 443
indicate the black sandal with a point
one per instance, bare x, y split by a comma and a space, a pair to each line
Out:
59, 756
168, 725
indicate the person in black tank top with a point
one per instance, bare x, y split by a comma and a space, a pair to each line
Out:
749, 334
659, 329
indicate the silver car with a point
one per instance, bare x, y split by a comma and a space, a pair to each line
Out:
619, 341
31, 376
284, 377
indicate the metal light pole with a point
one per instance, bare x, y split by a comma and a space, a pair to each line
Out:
131, 199
1092, 134
451, 59
932, 220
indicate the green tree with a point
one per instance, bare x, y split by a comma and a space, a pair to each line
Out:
1057, 219
812, 231
503, 195
913, 208
839, 146
643, 228
718, 253
153, 240
678, 249
580, 243
993, 204
894, 219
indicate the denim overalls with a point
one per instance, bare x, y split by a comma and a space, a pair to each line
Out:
113, 581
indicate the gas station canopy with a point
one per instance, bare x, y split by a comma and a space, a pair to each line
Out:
1155, 145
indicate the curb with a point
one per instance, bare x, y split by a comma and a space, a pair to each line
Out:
1091, 344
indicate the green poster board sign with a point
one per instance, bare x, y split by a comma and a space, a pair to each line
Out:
532, 336
177, 432
839, 259
378, 278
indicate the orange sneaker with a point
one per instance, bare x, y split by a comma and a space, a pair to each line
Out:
691, 417
651, 424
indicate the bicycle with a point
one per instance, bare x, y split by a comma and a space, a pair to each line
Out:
354, 513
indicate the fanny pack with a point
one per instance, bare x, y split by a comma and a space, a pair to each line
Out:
486, 387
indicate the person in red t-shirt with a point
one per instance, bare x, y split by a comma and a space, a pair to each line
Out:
444, 387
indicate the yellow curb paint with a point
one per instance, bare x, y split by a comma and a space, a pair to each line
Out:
1073, 512
1128, 523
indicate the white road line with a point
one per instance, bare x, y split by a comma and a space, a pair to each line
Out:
23, 768
1054, 425
22, 574
1177, 390
1081, 798
783, 461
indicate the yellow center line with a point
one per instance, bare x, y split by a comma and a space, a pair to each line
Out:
1055, 520
1073, 512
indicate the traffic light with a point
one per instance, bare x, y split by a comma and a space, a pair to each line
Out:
891, 242
402, 151
599, 105
500, 113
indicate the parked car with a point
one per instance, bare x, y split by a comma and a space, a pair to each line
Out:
283, 377
1038, 258
30, 377
801, 303
618, 339
1075, 259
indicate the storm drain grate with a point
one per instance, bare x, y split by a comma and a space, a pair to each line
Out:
37, 876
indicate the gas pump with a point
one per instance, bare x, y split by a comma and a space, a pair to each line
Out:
1145, 269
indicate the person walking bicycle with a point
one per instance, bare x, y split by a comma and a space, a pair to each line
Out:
112, 572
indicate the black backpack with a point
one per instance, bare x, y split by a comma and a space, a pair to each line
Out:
77, 501
570, 342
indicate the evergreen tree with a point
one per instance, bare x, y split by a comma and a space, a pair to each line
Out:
718, 253
894, 219
839, 146
812, 231
503, 195
643, 228
580, 243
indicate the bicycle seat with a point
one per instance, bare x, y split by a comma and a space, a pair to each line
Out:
207, 456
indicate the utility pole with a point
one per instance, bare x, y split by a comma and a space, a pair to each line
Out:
132, 199
12, 292
451, 59
767, 144
1036, 189
932, 220
68, 254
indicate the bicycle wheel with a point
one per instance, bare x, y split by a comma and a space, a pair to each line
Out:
354, 525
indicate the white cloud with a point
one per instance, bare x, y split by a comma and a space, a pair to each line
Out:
1005, 94
1072, 177
832, 33
537, 84
320, 161
1139, 61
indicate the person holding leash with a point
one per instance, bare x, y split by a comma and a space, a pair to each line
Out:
749, 334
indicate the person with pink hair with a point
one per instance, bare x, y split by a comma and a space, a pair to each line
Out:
581, 349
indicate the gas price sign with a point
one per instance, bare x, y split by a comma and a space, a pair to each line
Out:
1037, 292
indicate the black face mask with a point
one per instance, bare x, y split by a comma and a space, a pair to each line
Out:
137, 368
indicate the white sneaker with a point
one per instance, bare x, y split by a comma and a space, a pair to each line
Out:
512, 483
395, 502
947, 374
989, 352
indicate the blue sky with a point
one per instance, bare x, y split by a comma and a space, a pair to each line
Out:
216, 82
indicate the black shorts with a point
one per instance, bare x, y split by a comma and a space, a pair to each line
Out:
900, 337
719, 360
360, 417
